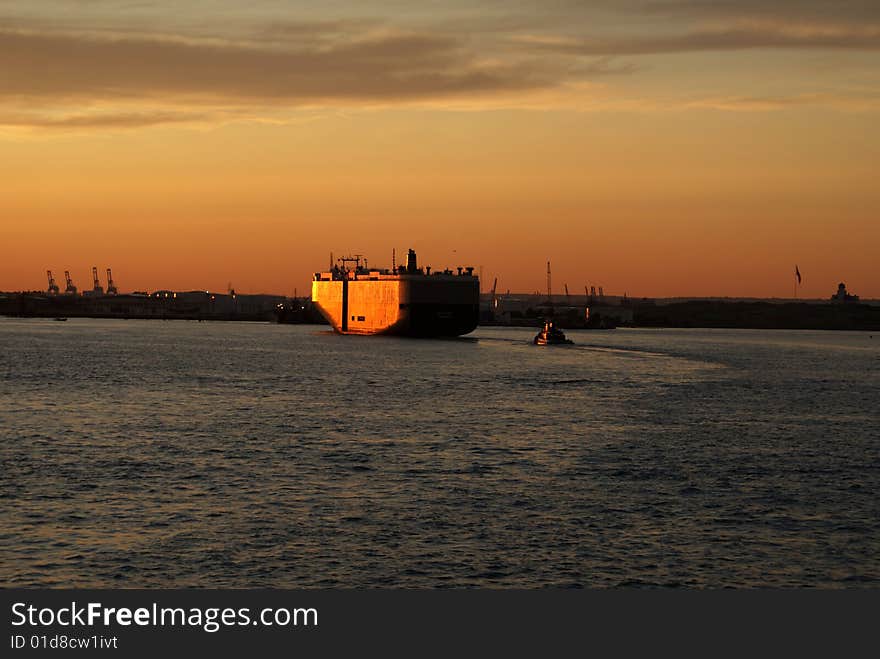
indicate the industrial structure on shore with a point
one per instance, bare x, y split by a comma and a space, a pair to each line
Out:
843, 311
593, 310
412, 300
99, 302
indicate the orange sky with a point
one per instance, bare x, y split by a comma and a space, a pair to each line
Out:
665, 153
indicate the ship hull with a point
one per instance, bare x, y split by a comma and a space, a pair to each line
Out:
419, 306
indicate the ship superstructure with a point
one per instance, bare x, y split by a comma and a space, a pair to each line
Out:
406, 300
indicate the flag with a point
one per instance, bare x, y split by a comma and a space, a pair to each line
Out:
797, 273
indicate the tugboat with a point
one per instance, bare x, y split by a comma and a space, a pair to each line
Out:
551, 336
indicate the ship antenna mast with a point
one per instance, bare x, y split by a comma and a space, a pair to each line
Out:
549, 288
352, 258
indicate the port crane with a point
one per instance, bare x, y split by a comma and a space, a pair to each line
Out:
111, 287
71, 289
97, 289
53, 287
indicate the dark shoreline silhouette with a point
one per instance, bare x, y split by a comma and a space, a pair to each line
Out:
162, 305
688, 314
760, 315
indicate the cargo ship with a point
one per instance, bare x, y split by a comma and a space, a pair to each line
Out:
403, 301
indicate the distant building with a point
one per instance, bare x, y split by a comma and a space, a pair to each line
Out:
605, 313
842, 295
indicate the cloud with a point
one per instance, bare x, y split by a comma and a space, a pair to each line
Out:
389, 66
603, 66
846, 102
100, 119
739, 37
103, 71
828, 11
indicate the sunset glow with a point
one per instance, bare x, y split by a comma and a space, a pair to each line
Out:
654, 148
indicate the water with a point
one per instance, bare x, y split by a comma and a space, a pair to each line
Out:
162, 454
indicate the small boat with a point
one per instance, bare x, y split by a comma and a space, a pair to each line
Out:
61, 319
551, 336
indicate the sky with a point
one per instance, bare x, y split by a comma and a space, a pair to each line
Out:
652, 147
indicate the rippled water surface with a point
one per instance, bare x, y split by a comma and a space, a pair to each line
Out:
150, 453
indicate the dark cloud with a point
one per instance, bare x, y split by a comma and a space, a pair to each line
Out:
733, 38
394, 66
833, 11
52, 65
602, 66
316, 30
